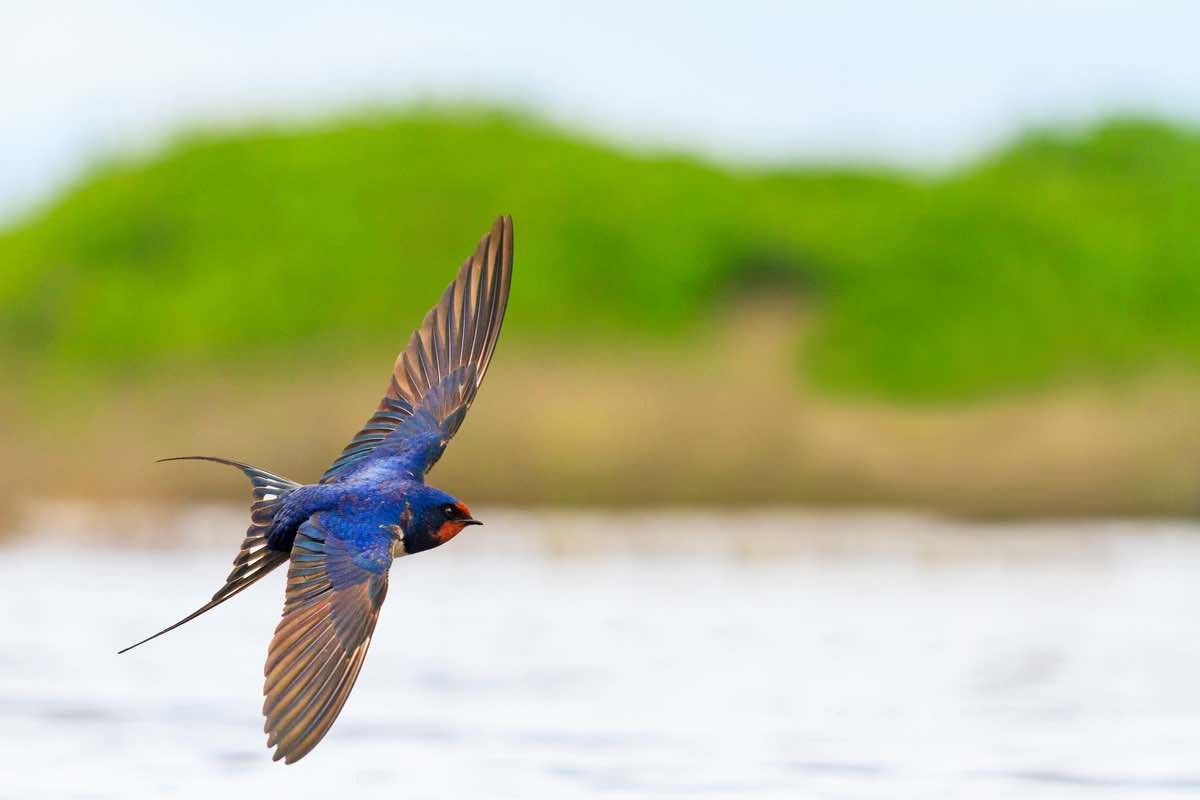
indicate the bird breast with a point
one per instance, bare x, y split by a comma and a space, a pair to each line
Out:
397, 533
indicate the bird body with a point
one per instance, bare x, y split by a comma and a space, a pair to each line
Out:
340, 536
376, 498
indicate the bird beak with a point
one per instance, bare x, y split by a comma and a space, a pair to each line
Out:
466, 522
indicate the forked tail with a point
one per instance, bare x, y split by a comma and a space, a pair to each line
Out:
254, 560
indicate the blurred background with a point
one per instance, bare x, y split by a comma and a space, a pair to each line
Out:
847, 400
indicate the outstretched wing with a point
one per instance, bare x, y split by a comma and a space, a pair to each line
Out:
335, 588
436, 377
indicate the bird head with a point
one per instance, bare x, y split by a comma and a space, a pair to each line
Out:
432, 518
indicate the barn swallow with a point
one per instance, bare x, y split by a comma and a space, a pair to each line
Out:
339, 536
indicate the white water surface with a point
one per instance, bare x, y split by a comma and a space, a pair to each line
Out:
628, 656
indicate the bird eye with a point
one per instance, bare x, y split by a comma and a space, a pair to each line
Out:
449, 510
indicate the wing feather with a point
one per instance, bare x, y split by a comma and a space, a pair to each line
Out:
436, 378
329, 615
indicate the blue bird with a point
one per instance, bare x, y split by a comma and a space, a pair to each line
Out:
372, 505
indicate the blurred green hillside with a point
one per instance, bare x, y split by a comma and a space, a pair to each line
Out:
1060, 257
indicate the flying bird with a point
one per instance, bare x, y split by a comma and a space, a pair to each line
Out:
339, 536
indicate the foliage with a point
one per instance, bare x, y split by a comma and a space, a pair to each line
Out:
1063, 255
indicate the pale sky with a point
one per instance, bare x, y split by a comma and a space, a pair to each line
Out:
924, 84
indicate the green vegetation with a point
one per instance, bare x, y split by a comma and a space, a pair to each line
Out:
1062, 256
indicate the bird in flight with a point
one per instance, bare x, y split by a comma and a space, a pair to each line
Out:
340, 535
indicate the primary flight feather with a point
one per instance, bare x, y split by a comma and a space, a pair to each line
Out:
339, 536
